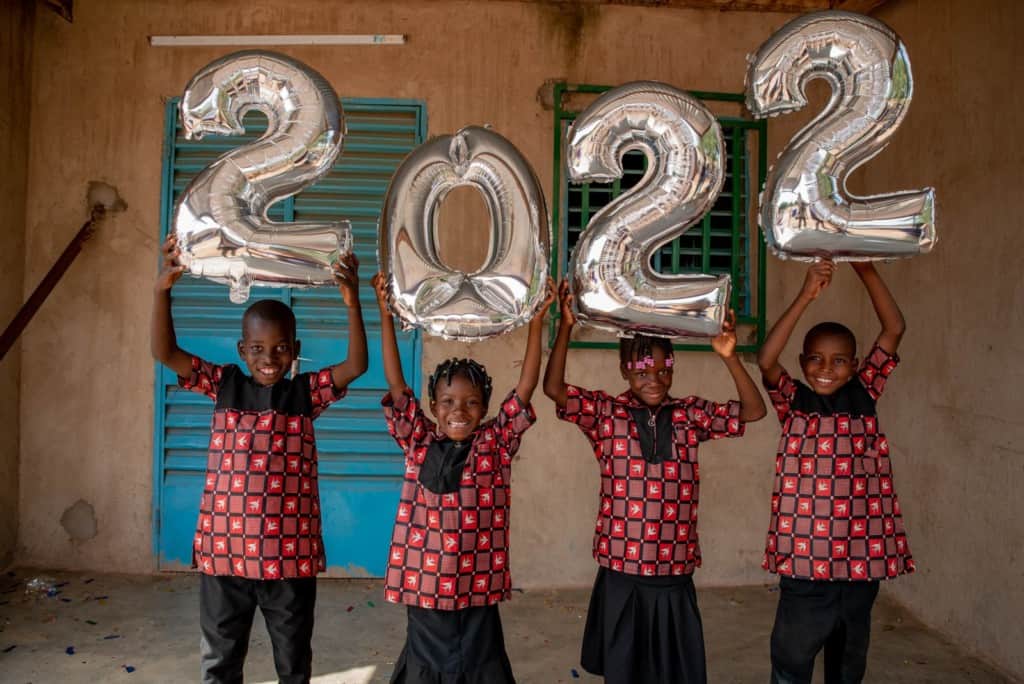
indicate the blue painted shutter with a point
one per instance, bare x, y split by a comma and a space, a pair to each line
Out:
360, 466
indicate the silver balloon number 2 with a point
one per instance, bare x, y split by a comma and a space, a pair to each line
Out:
510, 287
805, 211
221, 218
611, 277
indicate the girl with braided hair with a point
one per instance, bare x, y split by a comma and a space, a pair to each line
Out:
643, 624
449, 555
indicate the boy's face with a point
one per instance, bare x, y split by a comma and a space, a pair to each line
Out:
828, 363
268, 349
651, 383
458, 407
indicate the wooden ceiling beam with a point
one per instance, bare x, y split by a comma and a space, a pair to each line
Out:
862, 6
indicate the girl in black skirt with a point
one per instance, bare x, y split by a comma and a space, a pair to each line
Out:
643, 624
449, 555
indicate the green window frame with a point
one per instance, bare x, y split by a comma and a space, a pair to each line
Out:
726, 240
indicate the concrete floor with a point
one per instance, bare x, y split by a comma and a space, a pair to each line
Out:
114, 628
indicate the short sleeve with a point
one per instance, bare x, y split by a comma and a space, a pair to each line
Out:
322, 391
715, 420
782, 395
585, 408
406, 421
205, 378
875, 370
513, 419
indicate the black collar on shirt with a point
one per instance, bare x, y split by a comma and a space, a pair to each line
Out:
654, 429
851, 399
443, 464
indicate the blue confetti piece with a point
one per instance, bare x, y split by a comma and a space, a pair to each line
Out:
62, 584
129, 668
575, 674
52, 592
112, 636
70, 650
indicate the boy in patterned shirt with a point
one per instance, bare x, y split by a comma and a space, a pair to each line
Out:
836, 527
258, 540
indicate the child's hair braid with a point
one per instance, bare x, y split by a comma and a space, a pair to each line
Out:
467, 368
642, 346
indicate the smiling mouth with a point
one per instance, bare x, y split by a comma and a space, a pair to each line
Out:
268, 372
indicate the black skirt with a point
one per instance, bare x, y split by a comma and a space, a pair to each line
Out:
644, 629
454, 647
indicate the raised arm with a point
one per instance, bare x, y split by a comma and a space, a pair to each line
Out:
346, 274
163, 343
889, 314
388, 342
819, 276
751, 404
530, 373
554, 375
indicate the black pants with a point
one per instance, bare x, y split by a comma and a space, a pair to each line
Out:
226, 609
812, 615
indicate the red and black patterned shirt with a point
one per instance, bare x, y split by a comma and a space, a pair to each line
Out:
451, 551
259, 515
835, 514
647, 520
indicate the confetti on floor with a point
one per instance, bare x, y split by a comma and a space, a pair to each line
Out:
10, 648
112, 636
70, 650
128, 668
575, 674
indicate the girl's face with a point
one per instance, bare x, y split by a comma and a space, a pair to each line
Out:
649, 383
828, 363
459, 407
268, 349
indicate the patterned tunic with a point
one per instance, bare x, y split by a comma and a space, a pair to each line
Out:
647, 521
450, 551
259, 515
835, 514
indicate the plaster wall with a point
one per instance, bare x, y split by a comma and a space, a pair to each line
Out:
15, 79
86, 410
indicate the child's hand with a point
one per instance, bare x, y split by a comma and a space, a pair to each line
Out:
346, 274
549, 296
380, 287
724, 343
565, 303
819, 276
171, 269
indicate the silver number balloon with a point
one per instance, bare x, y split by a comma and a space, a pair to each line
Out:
806, 211
510, 287
611, 277
221, 218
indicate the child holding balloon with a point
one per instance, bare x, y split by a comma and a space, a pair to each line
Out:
258, 539
643, 624
449, 555
836, 527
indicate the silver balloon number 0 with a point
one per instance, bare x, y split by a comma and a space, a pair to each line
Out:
510, 287
805, 211
221, 218
610, 272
